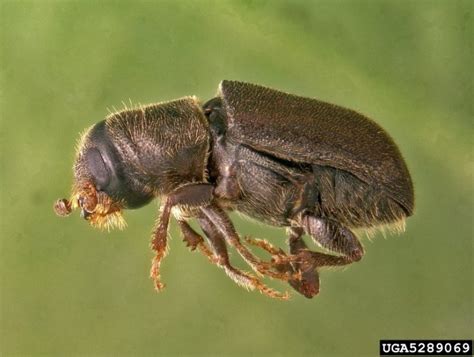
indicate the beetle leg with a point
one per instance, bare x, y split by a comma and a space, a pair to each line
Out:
329, 235
306, 280
280, 259
194, 240
222, 222
193, 195
309, 283
335, 237
277, 253
241, 278
220, 257
159, 245
314, 260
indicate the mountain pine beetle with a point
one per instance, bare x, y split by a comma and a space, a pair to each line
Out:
312, 167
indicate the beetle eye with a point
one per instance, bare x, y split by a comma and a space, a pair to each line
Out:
97, 167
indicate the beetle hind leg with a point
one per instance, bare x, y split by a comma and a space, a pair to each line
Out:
308, 285
304, 263
330, 235
335, 237
306, 278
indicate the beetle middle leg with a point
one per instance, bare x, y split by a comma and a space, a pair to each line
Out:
222, 222
194, 240
221, 257
330, 235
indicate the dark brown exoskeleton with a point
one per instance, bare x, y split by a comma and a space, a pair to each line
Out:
312, 167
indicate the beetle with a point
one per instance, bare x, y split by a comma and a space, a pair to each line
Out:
312, 167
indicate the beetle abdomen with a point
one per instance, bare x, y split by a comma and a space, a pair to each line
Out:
305, 130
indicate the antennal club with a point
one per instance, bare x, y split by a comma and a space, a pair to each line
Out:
62, 207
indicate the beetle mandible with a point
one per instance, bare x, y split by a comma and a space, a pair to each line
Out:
312, 167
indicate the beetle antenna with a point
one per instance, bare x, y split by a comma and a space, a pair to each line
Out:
62, 207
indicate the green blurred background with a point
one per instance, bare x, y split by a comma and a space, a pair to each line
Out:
67, 289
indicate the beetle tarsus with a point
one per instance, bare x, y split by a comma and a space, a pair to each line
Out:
304, 277
280, 260
277, 253
155, 272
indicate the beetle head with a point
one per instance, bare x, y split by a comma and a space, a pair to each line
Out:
101, 187
96, 207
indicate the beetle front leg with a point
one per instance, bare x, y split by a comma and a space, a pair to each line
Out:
222, 222
160, 245
192, 195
